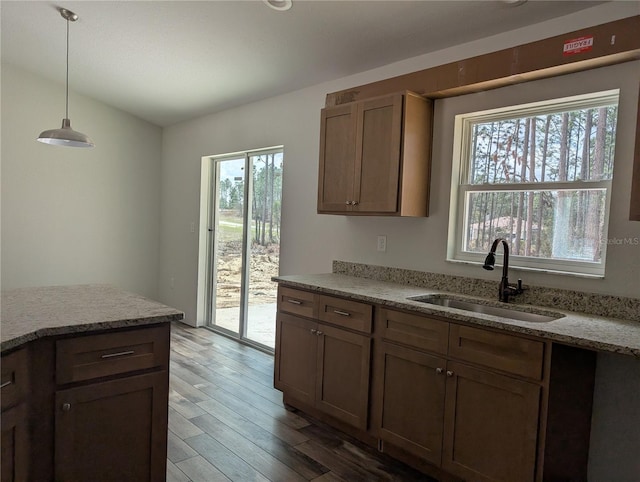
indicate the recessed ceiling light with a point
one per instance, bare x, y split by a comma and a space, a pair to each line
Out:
514, 3
280, 5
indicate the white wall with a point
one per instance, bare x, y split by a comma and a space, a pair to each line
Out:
73, 216
310, 241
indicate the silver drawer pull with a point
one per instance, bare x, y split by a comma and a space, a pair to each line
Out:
121, 353
341, 313
295, 302
6, 384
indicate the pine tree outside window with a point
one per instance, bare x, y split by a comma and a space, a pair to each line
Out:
538, 175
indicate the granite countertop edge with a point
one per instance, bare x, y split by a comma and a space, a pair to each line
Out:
578, 329
18, 341
30, 314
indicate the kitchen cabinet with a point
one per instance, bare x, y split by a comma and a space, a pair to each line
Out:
87, 407
475, 402
324, 365
116, 426
412, 393
15, 431
491, 425
375, 157
453, 399
111, 405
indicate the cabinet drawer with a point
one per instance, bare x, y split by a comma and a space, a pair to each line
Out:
509, 353
296, 302
414, 330
345, 313
95, 356
14, 378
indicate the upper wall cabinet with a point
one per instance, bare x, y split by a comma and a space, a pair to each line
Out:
375, 157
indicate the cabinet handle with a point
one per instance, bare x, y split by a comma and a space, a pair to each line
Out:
449, 373
295, 302
319, 333
341, 313
6, 384
439, 371
348, 203
355, 203
66, 407
313, 332
121, 353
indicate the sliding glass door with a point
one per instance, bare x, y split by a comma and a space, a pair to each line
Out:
244, 239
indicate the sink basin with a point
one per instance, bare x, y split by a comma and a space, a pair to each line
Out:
511, 313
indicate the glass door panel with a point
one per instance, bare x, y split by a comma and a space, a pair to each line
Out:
266, 199
229, 228
244, 227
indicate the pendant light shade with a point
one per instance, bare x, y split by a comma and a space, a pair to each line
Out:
65, 136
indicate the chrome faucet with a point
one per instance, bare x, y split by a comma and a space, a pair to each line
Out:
505, 290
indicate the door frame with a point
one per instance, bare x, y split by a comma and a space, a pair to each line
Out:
207, 256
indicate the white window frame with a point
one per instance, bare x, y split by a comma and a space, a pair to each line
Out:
460, 186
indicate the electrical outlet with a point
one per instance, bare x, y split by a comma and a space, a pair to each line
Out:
382, 243
193, 227
172, 282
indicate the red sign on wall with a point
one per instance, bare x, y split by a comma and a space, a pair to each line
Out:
577, 45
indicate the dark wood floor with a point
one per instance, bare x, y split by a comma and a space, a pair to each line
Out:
227, 422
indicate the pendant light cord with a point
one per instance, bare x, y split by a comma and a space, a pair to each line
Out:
67, 91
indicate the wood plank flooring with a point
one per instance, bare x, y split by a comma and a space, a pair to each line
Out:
227, 423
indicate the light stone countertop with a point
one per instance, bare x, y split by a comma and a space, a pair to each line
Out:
577, 329
31, 313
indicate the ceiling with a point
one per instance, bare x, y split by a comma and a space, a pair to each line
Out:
169, 61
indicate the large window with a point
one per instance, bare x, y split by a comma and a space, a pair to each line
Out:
538, 175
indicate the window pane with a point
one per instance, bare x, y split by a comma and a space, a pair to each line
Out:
564, 146
565, 224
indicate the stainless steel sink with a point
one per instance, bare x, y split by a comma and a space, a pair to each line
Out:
511, 313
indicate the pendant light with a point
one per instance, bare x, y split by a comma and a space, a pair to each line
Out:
66, 136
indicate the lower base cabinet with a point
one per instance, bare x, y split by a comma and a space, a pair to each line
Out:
491, 425
412, 395
87, 407
109, 431
15, 449
458, 402
14, 399
324, 367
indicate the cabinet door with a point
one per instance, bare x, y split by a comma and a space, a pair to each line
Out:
15, 461
491, 425
411, 386
295, 358
114, 430
342, 387
337, 158
377, 165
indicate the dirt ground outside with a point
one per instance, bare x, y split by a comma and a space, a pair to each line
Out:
264, 264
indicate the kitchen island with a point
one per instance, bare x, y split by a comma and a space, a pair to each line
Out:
84, 384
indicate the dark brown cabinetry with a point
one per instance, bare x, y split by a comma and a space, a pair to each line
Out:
112, 430
375, 157
321, 365
15, 431
97, 407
